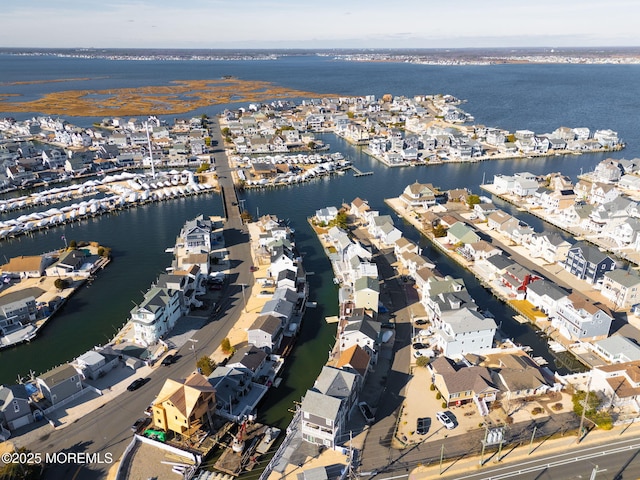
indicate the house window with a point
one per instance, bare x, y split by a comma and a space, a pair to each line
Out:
16, 406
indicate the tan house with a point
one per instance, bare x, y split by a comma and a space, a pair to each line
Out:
26, 266
184, 407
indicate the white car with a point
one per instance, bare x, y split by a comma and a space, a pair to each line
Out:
447, 419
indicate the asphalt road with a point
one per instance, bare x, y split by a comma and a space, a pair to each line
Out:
107, 430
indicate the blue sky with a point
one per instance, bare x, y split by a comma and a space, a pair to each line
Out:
319, 24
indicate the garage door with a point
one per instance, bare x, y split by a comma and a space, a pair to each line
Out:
20, 422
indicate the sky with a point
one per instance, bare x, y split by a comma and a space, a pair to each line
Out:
318, 24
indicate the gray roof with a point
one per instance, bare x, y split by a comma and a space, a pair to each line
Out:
500, 262
8, 393
58, 375
626, 278
550, 289
335, 382
249, 357
370, 328
267, 323
617, 344
367, 282
465, 320
589, 252
279, 306
321, 405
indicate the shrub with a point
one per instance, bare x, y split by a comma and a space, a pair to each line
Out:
422, 362
432, 387
226, 347
444, 405
509, 420
556, 406
438, 396
206, 365
537, 411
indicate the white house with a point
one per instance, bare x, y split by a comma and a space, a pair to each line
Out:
458, 332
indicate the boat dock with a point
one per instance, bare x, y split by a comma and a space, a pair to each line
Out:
242, 453
358, 173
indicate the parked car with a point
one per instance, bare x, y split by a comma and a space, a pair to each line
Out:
140, 423
168, 360
366, 412
137, 383
419, 346
447, 419
423, 425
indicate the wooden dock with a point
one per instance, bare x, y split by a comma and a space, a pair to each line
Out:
358, 173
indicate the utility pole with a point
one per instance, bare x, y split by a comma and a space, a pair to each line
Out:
244, 298
584, 409
193, 349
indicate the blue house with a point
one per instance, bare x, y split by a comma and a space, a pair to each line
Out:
588, 263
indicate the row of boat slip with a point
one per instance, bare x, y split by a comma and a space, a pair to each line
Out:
293, 159
290, 177
96, 206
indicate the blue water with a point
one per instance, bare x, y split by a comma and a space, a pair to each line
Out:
536, 97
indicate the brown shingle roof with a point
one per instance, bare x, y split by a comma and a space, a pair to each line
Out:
355, 357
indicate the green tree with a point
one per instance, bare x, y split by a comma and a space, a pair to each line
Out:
226, 132
73, 244
473, 200
206, 365
226, 347
340, 221
439, 231
60, 283
246, 217
311, 145
203, 168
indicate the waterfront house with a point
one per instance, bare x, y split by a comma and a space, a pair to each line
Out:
518, 377
282, 258
237, 396
551, 247
72, 263
403, 245
323, 419
94, 364
388, 234
156, 315
355, 360
629, 182
184, 407
462, 331
602, 193
250, 359
418, 195
366, 293
483, 210
266, 332
481, 250
358, 208
588, 263
516, 278
362, 331
459, 233
32, 266
326, 215
608, 171
59, 384
16, 309
413, 262
195, 235
460, 384
617, 349
15, 408
619, 383
339, 383
621, 287
580, 319
496, 265
544, 296
497, 219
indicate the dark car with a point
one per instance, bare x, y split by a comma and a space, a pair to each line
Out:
137, 383
140, 423
168, 360
423, 425
419, 346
